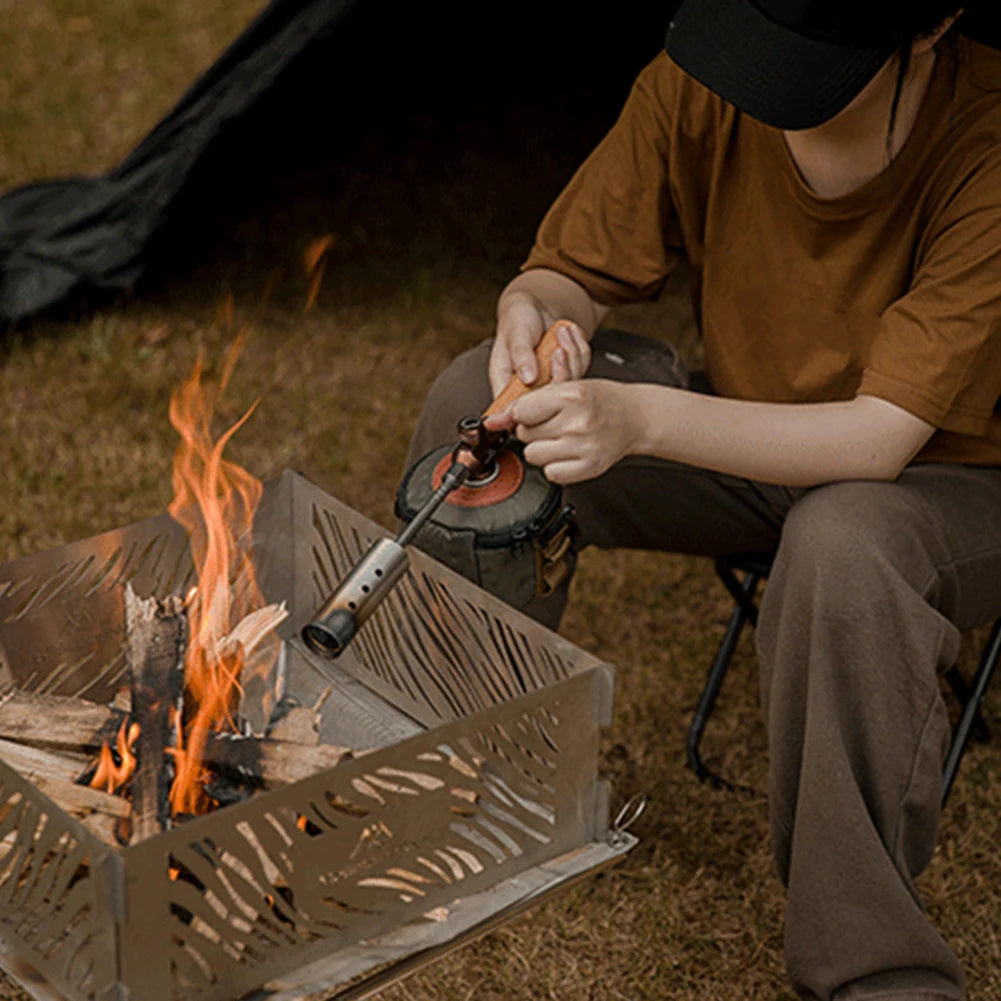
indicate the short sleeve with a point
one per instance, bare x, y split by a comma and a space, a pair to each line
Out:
613, 228
937, 351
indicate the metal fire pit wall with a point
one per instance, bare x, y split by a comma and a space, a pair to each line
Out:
478, 794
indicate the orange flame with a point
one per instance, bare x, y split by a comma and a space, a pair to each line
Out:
215, 500
312, 261
111, 776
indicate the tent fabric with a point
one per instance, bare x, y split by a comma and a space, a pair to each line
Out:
62, 236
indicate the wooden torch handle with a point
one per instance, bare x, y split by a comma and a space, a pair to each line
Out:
516, 388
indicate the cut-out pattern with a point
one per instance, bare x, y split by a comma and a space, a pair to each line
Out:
47, 891
502, 778
445, 653
61, 611
388, 837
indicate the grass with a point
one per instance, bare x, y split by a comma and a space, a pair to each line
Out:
429, 219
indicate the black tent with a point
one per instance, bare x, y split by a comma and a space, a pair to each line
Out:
63, 237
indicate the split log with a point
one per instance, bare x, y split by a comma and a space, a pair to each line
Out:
36, 764
84, 726
55, 775
80, 801
255, 640
108, 829
57, 722
299, 725
272, 763
157, 637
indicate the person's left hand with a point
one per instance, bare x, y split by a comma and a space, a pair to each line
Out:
574, 430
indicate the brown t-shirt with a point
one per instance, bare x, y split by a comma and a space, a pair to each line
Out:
893, 290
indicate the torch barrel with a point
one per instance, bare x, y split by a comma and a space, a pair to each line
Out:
335, 624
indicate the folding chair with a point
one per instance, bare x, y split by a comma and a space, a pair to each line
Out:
741, 576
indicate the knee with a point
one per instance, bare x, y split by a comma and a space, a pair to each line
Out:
464, 386
460, 390
853, 535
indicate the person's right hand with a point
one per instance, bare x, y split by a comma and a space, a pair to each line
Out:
520, 327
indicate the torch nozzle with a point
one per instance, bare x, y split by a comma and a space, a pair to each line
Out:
331, 634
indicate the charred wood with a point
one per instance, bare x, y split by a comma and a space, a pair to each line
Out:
157, 637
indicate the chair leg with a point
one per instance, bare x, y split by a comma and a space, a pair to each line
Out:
743, 612
743, 592
971, 710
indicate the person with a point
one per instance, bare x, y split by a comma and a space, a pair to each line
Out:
830, 171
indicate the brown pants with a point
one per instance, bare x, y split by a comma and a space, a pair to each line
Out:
871, 587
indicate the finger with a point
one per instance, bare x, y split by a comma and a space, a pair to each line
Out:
499, 422
535, 408
500, 368
572, 340
567, 471
519, 329
545, 451
566, 353
583, 351
523, 358
560, 362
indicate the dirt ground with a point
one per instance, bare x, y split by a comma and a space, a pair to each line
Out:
430, 214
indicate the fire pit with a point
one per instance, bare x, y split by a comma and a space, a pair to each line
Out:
470, 789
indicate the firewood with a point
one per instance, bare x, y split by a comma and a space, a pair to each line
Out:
55, 775
57, 722
83, 726
37, 764
111, 830
253, 629
256, 643
299, 725
122, 701
273, 763
157, 635
80, 801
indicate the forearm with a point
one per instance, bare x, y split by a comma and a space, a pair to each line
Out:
803, 444
554, 296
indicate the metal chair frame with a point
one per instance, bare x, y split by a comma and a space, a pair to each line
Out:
741, 576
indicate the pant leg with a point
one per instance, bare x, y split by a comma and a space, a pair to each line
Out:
872, 584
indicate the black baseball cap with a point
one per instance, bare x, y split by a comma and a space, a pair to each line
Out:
792, 64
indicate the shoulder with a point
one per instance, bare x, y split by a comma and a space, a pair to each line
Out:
677, 103
973, 115
962, 163
983, 68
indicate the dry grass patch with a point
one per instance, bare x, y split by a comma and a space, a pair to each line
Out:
97, 77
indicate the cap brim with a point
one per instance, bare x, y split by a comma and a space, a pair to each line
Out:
769, 72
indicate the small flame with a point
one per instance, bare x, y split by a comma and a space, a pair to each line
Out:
215, 500
312, 261
111, 775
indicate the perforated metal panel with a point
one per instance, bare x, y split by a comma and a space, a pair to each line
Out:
481, 764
